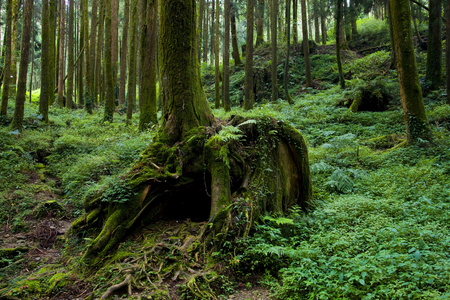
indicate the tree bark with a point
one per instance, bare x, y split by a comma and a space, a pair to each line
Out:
98, 61
259, 23
410, 90
148, 107
316, 21
82, 54
305, 45
109, 69
7, 61
323, 23
201, 12
46, 87
70, 56
88, 101
52, 50
338, 42
62, 10
17, 122
447, 49
273, 23
132, 72
92, 53
14, 35
295, 22
115, 43
226, 58
288, 46
434, 50
216, 58
249, 98
234, 41
123, 53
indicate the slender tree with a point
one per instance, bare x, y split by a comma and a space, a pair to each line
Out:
339, 15
316, 21
447, 48
148, 106
14, 36
109, 81
92, 52
33, 37
98, 57
88, 101
434, 50
259, 23
212, 31
131, 103
123, 53
249, 99
295, 21
216, 59
305, 45
234, 41
226, 58
115, 43
201, 12
408, 77
61, 35
17, 122
81, 54
52, 50
70, 55
288, 46
7, 61
273, 23
323, 23
205, 33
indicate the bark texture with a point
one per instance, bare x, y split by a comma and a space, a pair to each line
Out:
410, 90
7, 64
249, 92
305, 44
434, 50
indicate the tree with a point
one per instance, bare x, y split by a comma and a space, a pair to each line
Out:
249, 98
305, 44
132, 63
46, 84
52, 50
226, 58
61, 59
98, 61
339, 16
109, 69
92, 51
273, 23
123, 53
148, 107
187, 153
216, 59
259, 23
7, 61
447, 48
288, 46
434, 45
410, 90
17, 122
295, 23
234, 42
88, 101
70, 56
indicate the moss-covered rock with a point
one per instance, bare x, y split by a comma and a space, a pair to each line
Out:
372, 97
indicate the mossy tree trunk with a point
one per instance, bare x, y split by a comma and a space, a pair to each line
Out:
410, 90
434, 45
447, 49
46, 85
273, 23
7, 61
249, 94
148, 108
108, 72
234, 40
17, 122
194, 168
339, 36
259, 23
132, 71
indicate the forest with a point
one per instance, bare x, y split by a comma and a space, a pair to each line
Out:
207, 149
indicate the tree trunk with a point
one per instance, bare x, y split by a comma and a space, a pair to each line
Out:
259, 23
17, 122
14, 35
308, 18
70, 56
410, 90
234, 41
170, 177
7, 61
213, 32
123, 54
32, 49
273, 23
249, 98
434, 50
88, 101
391, 33
132, 72
316, 22
447, 49
92, 53
419, 38
200, 28
205, 33
295, 22
81, 65
52, 50
98, 60
306, 46
109, 69
115, 44
226, 58
45, 63
353, 15
323, 26
338, 42
148, 107
62, 10
216, 58
288, 46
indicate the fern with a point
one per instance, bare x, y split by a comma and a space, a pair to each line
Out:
340, 182
228, 133
321, 167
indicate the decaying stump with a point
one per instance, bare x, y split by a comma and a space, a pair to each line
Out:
260, 165
373, 97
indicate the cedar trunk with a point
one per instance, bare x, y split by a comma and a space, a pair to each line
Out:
7, 63
434, 45
249, 99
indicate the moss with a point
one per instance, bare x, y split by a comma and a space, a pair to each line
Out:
49, 207
58, 281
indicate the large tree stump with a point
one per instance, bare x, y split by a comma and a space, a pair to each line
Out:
257, 165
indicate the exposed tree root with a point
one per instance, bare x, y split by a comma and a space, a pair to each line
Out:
112, 289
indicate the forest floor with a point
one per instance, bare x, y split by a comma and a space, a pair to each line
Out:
378, 227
